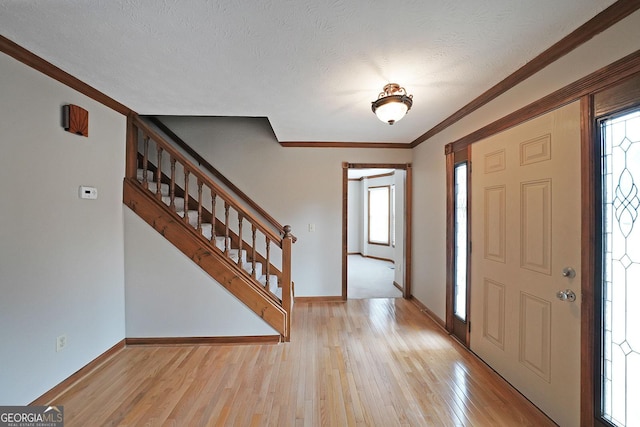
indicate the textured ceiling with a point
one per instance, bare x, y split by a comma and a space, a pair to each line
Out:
312, 67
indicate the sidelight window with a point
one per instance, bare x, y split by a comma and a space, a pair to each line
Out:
461, 237
620, 316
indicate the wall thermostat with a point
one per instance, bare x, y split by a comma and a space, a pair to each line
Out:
88, 192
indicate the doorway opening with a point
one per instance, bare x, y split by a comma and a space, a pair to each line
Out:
376, 231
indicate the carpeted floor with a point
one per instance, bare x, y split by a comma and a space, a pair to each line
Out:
370, 278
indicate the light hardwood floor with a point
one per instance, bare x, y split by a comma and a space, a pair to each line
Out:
378, 362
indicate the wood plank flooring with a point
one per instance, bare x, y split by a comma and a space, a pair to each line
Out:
378, 362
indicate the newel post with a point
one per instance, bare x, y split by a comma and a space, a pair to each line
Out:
132, 148
287, 290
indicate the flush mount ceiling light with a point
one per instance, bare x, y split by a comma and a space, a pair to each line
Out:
392, 103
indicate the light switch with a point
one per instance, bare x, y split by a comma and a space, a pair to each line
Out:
88, 192
312, 228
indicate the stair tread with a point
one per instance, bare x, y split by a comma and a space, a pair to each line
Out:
164, 188
150, 175
248, 267
177, 201
192, 215
233, 254
273, 281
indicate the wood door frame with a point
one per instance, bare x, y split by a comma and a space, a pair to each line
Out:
453, 158
408, 191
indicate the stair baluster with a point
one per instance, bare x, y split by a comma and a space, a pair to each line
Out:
267, 250
172, 187
213, 217
199, 206
226, 228
253, 251
145, 163
240, 218
159, 174
186, 196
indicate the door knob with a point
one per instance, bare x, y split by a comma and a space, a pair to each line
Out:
567, 295
568, 272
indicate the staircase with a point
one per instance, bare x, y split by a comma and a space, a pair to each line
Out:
248, 254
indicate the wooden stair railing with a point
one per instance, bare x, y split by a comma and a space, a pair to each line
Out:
228, 231
220, 227
202, 162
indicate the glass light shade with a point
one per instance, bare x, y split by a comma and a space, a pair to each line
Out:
391, 112
392, 103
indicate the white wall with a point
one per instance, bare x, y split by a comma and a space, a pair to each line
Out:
168, 295
61, 258
354, 217
429, 221
400, 177
297, 186
428, 273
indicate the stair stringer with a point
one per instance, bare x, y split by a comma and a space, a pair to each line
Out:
219, 267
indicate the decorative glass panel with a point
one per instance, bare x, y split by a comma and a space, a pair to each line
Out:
460, 257
620, 361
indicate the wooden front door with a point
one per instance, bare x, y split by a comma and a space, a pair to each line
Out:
525, 260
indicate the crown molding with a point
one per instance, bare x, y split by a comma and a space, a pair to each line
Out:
45, 67
607, 76
335, 144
